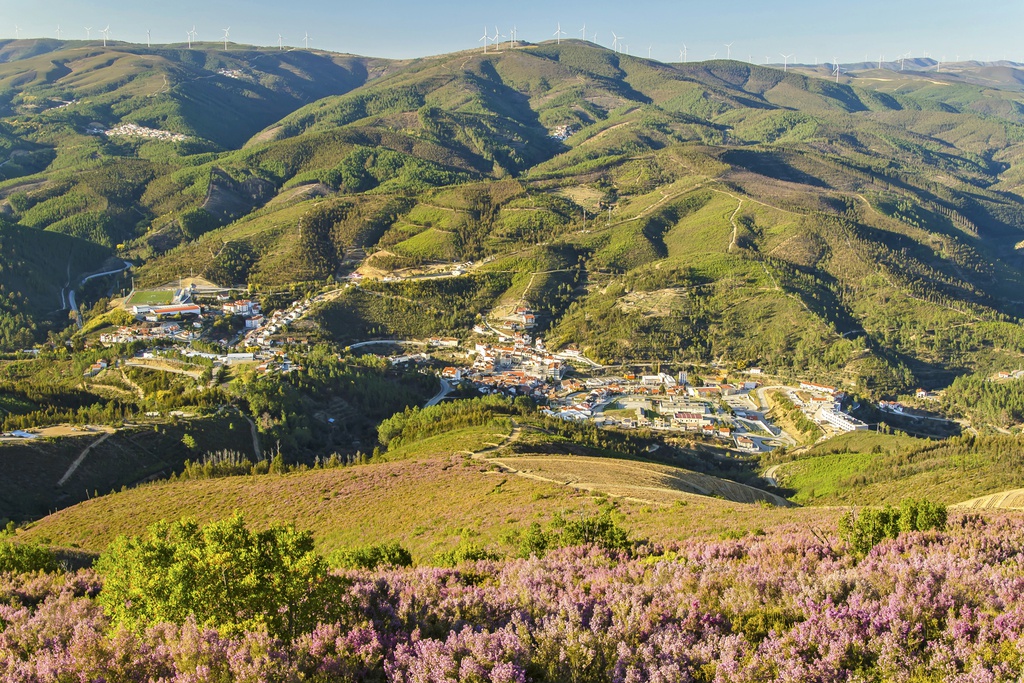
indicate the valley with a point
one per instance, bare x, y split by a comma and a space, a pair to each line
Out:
704, 270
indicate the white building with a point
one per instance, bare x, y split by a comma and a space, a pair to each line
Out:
841, 421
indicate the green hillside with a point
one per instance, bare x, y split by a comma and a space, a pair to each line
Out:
429, 501
689, 212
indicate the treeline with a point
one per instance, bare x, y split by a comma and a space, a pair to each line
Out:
415, 424
332, 403
228, 463
985, 401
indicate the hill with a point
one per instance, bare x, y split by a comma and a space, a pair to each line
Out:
873, 469
1004, 500
429, 504
836, 231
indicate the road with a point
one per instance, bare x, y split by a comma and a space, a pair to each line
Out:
72, 305
359, 345
769, 475
446, 389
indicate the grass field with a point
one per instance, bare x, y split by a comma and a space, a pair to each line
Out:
645, 482
153, 297
427, 505
874, 469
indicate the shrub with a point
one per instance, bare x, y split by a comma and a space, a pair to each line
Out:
464, 552
600, 530
21, 558
223, 575
373, 556
866, 530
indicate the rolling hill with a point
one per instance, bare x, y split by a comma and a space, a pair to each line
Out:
429, 499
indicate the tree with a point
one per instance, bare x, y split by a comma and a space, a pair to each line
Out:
866, 530
222, 574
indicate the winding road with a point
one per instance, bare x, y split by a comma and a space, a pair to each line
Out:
446, 389
71, 303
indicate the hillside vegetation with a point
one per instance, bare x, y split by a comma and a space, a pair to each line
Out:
688, 212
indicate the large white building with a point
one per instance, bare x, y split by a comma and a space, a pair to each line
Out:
840, 420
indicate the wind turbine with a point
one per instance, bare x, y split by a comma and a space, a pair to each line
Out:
879, 62
485, 38
148, 39
227, 31
785, 62
88, 32
649, 47
684, 53
714, 56
106, 35
835, 69
305, 40
496, 39
680, 55
728, 50
58, 31
191, 36
615, 42
17, 32
280, 42
558, 34
584, 31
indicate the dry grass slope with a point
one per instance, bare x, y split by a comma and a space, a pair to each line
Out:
1004, 500
639, 481
427, 505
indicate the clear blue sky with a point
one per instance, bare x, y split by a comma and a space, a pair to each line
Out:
809, 29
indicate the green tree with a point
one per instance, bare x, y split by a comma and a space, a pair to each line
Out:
222, 574
21, 557
866, 530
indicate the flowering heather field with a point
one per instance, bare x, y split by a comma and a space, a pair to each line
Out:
784, 606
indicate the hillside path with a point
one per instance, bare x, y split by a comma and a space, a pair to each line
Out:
81, 457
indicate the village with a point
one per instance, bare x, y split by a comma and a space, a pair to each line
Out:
504, 358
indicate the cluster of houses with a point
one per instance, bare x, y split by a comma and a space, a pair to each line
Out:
522, 319
531, 361
96, 368
1006, 374
134, 130
564, 131
173, 331
259, 327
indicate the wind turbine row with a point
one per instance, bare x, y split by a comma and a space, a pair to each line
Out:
191, 36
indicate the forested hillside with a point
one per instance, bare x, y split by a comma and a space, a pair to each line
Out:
690, 212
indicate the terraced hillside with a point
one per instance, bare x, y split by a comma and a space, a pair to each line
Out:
1004, 500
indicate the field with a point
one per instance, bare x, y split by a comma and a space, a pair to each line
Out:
150, 298
1004, 500
873, 469
428, 505
643, 482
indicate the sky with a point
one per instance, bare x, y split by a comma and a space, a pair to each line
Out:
810, 30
